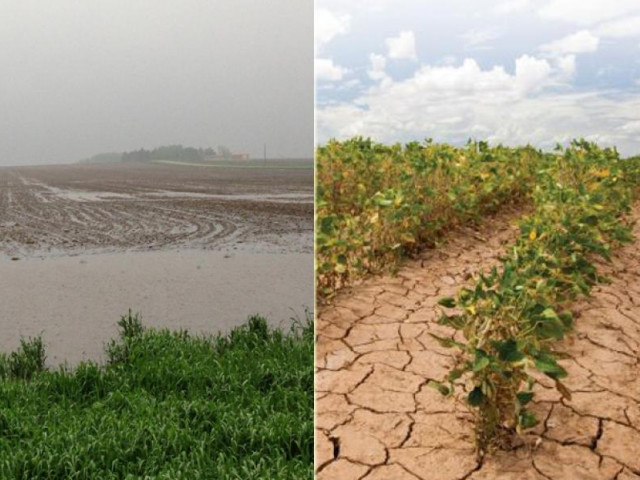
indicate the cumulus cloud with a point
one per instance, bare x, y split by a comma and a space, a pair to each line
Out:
326, 70
378, 66
452, 103
403, 46
530, 99
328, 25
587, 12
531, 73
620, 28
579, 42
566, 66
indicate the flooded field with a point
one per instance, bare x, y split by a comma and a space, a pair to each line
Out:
187, 246
103, 207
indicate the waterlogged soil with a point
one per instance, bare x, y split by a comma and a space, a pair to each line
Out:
186, 246
64, 209
376, 418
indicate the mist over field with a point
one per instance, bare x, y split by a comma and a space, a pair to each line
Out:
81, 78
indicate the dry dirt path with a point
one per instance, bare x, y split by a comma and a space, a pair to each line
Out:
376, 418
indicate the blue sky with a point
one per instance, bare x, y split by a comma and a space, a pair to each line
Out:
507, 71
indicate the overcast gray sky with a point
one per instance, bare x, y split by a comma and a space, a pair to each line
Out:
79, 78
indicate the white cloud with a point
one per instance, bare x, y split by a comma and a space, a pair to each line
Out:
328, 25
451, 80
378, 66
579, 42
451, 103
326, 70
511, 6
448, 60
403, 46
587, 12
632, 127
531, 73
566, 66
624, 27
477, 39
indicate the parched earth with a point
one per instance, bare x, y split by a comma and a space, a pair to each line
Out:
117, 207
376, 418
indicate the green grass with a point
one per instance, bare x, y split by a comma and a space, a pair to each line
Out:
167, 405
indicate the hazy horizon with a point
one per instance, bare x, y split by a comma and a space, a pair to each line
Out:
81, 79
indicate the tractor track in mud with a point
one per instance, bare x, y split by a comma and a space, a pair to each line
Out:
78, 208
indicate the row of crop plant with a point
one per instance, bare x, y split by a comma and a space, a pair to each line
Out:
376, 203
513, 316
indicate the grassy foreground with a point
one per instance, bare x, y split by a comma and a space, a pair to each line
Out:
167, 405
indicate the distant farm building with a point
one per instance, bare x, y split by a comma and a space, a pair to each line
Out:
234, 156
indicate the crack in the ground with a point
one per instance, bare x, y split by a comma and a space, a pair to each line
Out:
598, 436
336, 446
411, 300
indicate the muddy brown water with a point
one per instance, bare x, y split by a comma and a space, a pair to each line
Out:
187, 247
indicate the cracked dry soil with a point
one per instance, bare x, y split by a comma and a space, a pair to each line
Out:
376, 418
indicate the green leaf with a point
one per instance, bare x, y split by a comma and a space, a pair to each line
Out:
455, 321
508, 351
526, 419
447, 342
383, 202
481, 363
550, 367
447, 302
524, 397
551, 328
567, 319
443, 389
475, 397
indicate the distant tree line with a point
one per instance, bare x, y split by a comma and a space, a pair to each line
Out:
167, 152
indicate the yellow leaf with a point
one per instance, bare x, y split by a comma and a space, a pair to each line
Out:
532, 235
374, 218
407, 238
